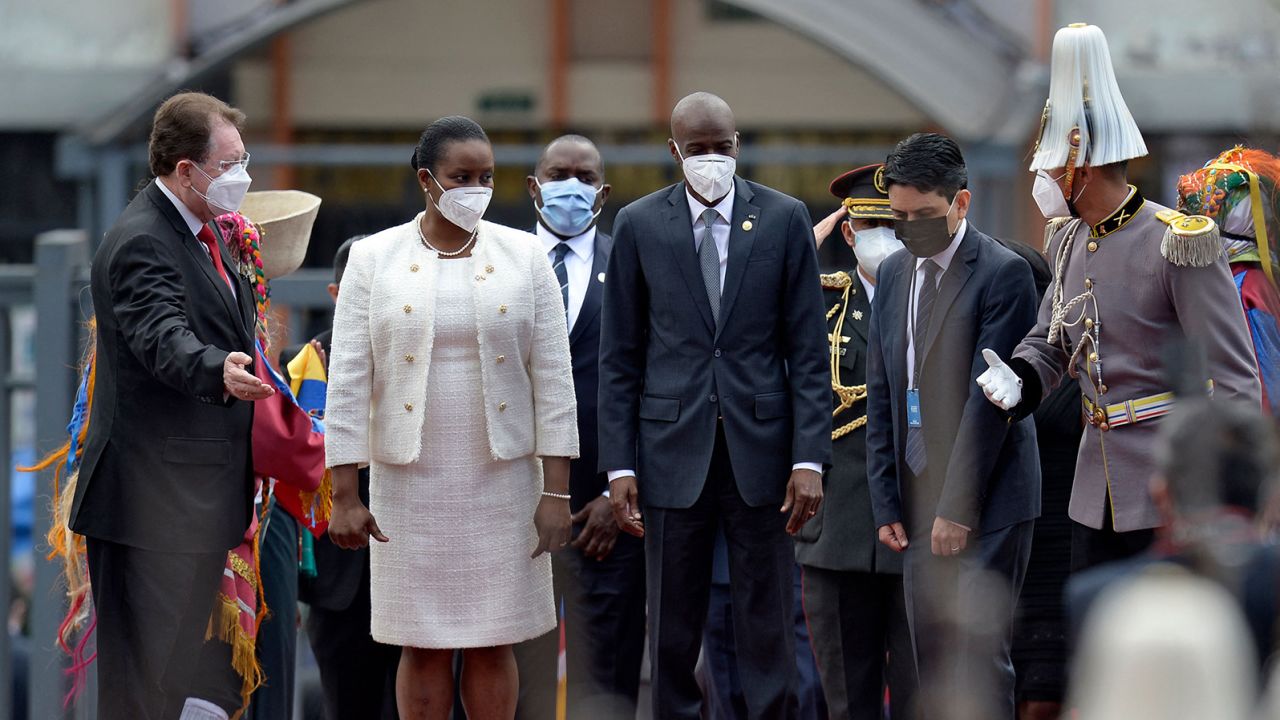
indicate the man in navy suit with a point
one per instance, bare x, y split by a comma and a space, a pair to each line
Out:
953, 485
715, 405
600, 578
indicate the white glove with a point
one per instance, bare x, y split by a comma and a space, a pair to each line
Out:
1000, 384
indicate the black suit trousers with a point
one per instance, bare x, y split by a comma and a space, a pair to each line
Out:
604, 638
861, 641
679, 546
152, 609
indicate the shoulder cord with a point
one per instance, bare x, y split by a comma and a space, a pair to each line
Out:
1084, 301
848, 394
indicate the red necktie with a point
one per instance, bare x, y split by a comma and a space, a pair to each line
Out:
206, 236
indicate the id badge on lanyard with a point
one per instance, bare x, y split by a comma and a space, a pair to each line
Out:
914, 419
913, 408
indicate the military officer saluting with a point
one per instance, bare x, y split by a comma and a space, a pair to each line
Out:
1129, 277
852, 583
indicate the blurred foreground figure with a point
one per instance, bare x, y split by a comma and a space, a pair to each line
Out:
1240, 190
1130, 276
1168, 646
1217, 475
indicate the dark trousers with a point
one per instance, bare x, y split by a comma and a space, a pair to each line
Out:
604, 620
358, 674
961, 613
1090, 547
678, 554
277, 645
725, 698
862, 642
153, 609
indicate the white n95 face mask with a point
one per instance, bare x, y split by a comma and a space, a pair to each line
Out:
1048, 197
462, 206
226, 192
873, 245
710, 176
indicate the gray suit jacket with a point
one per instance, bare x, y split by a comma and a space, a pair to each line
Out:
983, 470
667, 373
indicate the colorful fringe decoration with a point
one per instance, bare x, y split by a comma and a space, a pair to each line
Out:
78, 624
247, 253
1240, 190
241, 608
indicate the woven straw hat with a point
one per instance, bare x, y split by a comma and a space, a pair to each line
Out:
284, 217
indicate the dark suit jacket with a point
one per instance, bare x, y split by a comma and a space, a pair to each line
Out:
983, 471
666, 373
586, 482
167, 462
842, 536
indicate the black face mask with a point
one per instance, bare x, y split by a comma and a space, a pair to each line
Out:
927, 237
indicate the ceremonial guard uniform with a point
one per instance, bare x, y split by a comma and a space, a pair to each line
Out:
852, 583
1124, 289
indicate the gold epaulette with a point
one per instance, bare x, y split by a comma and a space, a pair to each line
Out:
836, 281
1190, 240
1051, 228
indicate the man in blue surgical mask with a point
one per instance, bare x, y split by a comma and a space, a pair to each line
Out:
599, 579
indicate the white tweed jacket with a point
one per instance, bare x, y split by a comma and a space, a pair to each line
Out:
383, 330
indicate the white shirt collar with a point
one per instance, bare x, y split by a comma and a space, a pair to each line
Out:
193, 222
581, 245
944, 258
867, 285
724, 206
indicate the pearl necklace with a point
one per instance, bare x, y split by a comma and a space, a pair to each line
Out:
418, 224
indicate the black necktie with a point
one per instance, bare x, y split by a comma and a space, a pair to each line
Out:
916, 459
562, 249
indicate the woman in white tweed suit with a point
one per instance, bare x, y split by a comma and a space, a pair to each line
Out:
450, 376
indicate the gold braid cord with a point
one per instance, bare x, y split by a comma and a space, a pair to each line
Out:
848, 394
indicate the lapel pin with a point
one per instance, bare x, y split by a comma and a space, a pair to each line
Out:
600, 277
857, 314
746, 225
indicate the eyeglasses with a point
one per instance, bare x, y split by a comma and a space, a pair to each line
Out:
225, 165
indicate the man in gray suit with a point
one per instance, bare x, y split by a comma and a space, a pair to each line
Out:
714, 404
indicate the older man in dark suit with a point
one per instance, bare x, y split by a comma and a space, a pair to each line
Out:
852, 590
600, 578
166, 484
715, 404
954, 484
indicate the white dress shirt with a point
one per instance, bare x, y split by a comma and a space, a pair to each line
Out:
943, 259
194, 225
577, 264
868, 286
719, 233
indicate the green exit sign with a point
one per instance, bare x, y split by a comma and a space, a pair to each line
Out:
506, 101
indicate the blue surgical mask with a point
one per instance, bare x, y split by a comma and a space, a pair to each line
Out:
568, 206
